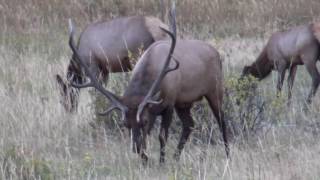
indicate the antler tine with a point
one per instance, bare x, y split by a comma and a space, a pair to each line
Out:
174, 68
155, 86
150, 101
77, 85
177, 64
172, 18
93, 81
106, 112
84, 85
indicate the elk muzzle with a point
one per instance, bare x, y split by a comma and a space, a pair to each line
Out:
139, 141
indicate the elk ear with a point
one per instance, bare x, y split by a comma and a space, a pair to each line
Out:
62, 85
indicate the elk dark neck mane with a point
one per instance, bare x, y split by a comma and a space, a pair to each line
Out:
141, 81
262, 67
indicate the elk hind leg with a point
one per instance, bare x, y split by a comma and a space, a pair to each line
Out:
215, 103
313, 71
291, 77
188, 124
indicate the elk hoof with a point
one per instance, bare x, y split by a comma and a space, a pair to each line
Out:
176, 156
162, 161
288, 103
309, 101
144, 158
306, 107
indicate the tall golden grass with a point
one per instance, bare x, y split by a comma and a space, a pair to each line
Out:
219, 17
39, 140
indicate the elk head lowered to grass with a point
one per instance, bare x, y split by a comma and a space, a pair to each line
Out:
196, 72
285, 50
107, 47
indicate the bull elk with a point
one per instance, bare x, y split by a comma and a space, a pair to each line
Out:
107, 47
285, 50
158, 86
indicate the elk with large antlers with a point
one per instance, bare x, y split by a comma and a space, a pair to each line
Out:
109, 47
285, 50
159, 85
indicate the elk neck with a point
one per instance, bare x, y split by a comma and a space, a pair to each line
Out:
140, 84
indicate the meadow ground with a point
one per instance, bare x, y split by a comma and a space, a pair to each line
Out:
39, 140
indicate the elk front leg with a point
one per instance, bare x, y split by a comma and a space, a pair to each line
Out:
139, 137
292, 74
188, 124
163, 136
281, 74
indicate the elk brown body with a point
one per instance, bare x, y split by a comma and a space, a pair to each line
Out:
107, 47
199, 75
159, 85
287, 49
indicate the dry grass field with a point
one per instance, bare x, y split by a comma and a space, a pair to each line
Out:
39, 140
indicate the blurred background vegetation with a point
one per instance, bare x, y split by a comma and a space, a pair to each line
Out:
200, 18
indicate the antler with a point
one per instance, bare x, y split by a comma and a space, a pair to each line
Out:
155, 86
116, 104
165, 70
172, 19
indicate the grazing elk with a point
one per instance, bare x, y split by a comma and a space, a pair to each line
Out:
107, 47
285, 50
196, 72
